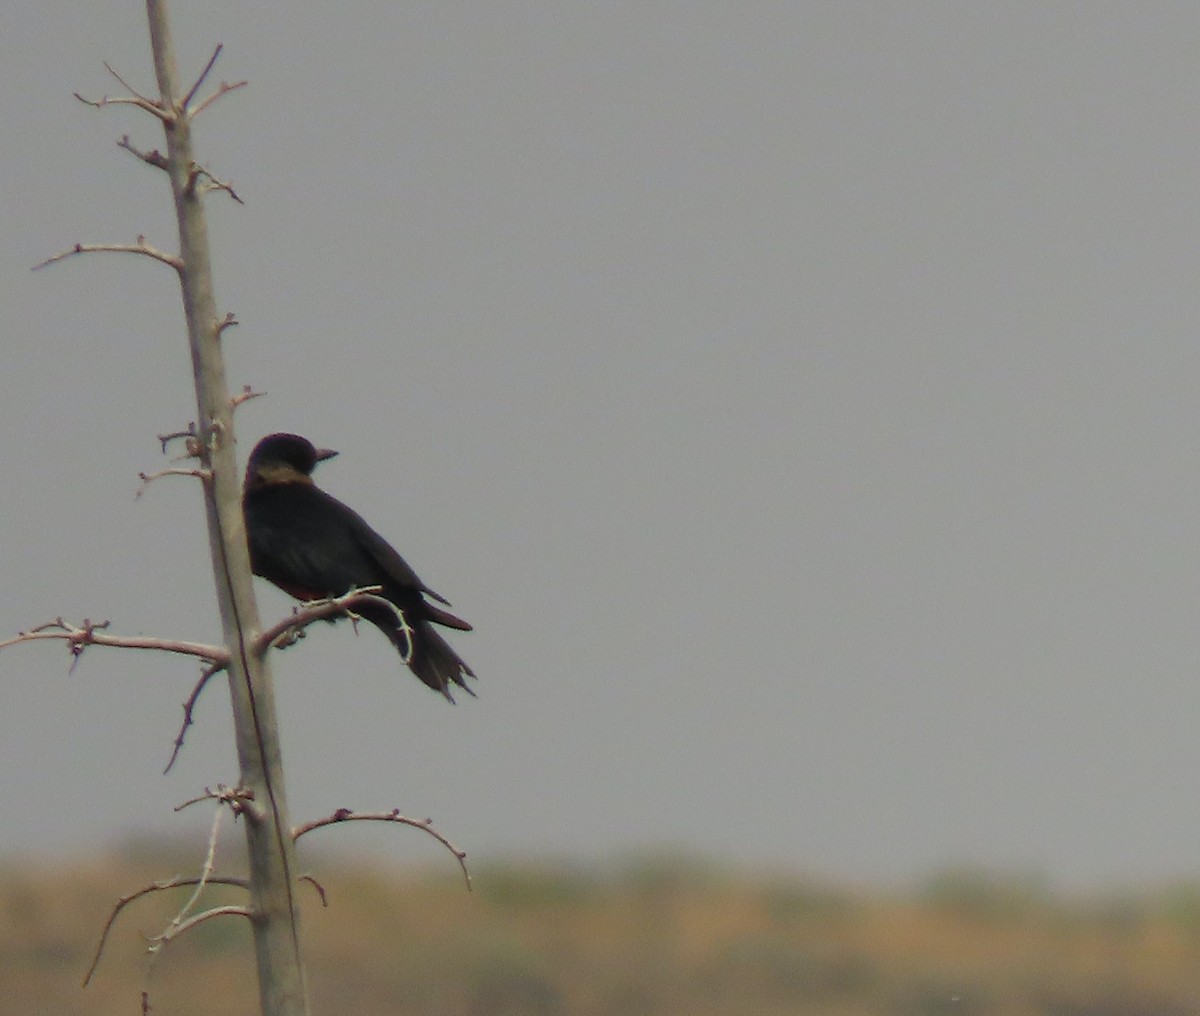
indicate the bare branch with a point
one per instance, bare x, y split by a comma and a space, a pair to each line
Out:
141, 247
134, 98
154, 157
178, 929
197, 171
205, 873
316, 885
220, 185
180, 922
229, 321
317, 610
127, 86
425, 824
188, 707
188, 435
238, 798
124, 901
221, 90
150, 107
79, 637
187, 99
284, 633
245, 395
148, 478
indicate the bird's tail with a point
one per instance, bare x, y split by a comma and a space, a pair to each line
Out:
427, 654
435, 663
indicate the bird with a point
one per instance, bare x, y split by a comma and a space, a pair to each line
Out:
312, 546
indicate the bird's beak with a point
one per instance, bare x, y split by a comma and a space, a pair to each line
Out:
325, 453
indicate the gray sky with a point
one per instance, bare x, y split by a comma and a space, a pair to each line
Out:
801, 400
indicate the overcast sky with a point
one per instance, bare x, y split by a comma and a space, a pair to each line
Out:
800, 399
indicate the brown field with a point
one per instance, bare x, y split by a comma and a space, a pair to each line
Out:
666, 936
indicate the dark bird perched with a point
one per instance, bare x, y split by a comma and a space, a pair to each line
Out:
312, 546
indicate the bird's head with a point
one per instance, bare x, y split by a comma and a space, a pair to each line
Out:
284, 458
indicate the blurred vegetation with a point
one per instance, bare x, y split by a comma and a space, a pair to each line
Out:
653, 935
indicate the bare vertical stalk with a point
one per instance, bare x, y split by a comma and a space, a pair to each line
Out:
268, 835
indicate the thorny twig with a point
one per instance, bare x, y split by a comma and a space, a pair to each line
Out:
188, 435
222, 89
187, 99
154, 887
280, 635
141, 247
154, 157
317, 886
323, 610
148, 478
245, 395
238, 798
149, 105
284, 632
214, 183
178, 929
156, 107
181, 922
188, 707
127, 86
425, 824
89, 633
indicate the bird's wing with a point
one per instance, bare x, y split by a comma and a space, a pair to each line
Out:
386, 557
296, 543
